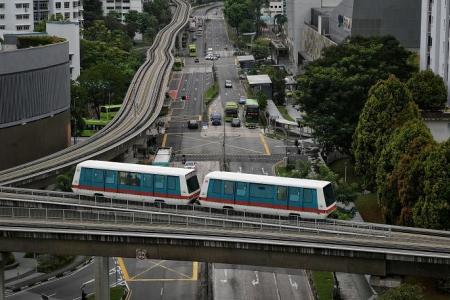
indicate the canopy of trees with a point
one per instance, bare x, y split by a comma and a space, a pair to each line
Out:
428, 90
92, 11
333, 89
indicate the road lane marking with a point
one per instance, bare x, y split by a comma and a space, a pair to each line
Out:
152, 267
125, 274
194, 270
163, 144
293, 283
256, 282
263, 141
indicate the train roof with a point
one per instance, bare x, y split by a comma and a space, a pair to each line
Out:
264, 179
108, 165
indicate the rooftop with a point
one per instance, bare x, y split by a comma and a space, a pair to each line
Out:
245, 58
259, 79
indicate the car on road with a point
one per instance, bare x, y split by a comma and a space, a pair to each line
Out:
209, 57
236, 122
193, 124
228, 83
190, 165
242, 100
216, 119
196, 60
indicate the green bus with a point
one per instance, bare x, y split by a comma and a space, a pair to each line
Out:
192, 50
108, 112
92, 126
251, 113
231, 111
178, 64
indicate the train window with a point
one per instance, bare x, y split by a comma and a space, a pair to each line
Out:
128, 178
192, 184
110, 177
98, 175
307, 196
294, 194
217, 186
282, 193
171, 182
241, 189
228, 187
87, 174
261, 191
148, 180
160, 181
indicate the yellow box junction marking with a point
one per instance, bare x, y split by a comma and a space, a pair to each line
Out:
266, 146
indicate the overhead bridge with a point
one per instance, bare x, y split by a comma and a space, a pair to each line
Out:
350, 247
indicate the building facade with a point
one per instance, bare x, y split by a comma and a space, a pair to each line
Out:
434, 38
34, 101
68, 10
122, 7
273, 8
71, 33
16, 16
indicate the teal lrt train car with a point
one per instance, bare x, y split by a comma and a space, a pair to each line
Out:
136, 182
268, 194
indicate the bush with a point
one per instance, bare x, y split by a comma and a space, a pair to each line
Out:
35, 41
48, 263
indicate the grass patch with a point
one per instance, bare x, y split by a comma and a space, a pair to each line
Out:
430, 289
211, 93
283, 111
116, 293
282, 171
323, 282
367, 206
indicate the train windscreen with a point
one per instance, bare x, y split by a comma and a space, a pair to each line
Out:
329, 194
192, 184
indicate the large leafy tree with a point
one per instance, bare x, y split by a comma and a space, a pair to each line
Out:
277, 76
333, 89
400, 171
389, 106
236, 12
92, 11
432, 210
98, 31
428, 90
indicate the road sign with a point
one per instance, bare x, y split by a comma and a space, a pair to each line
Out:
141, 254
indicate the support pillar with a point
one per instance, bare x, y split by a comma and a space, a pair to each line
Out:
101, 273
2, 277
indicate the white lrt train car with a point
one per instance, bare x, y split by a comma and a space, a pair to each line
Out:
268, 194
136, 182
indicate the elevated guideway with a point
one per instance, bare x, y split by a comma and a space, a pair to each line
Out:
140, 108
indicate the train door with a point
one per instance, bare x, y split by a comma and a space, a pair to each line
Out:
173, 189
111, 181
160, 185
98, 180
295, 198
229, 191
310, 200
242, 193
147, 184
281, 199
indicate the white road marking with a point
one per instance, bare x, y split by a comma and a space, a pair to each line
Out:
162, 290
255, 282
293, 283
89, 281
276, 285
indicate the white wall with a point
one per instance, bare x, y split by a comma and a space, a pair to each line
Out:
71, 32
73, 13
121, 7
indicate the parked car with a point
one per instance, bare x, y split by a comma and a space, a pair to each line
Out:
236, 122
196, 60
242, 100
228, 83
193, 124
216, 119
190, 165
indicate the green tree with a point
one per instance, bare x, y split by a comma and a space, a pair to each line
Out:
235, 12
92, 11
428, 90
389, 106
403, 292
64, 183
334, 88
262, 100
78, 107
280, 20
277, 76
400, 172
99, 32
40, 26
432, 210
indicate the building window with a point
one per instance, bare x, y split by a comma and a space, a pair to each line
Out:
75, 4
67, 15
22, 27
2, 27
66, 4
75, 15
57, 4
2, 17
2, 5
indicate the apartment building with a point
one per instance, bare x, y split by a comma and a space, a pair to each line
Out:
434, 37
16, 16
122, 7
70, 10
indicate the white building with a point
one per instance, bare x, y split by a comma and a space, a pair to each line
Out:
122, 7
16, 16
70, 10
71, 32
434, 38
274, 8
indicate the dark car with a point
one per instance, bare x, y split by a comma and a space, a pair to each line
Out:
216, 119
235, 122
193, 124
196, 60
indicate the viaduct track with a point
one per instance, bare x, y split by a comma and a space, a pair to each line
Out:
140, 108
